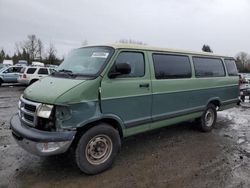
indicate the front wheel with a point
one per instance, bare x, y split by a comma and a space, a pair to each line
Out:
97, 149
208, 119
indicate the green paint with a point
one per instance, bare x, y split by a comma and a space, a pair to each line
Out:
122, 99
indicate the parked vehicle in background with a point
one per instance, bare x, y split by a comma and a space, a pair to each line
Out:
29, 75
102, 94
9, 74
8, 62
22, 63
244, 85
2, 66
36, 63
52, 66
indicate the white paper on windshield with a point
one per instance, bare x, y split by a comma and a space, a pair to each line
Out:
100, 54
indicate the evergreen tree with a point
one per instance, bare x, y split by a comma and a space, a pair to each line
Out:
2, 56
206, 48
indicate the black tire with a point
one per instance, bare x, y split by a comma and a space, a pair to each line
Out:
32, 81
208, 118
90, 139
1, 81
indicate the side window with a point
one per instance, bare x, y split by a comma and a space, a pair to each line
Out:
208, 67
135, 60
171, 66
43, 71
17, 69
231, 67
9, 70
31, 70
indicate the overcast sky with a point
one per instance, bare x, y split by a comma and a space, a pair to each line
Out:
181, 24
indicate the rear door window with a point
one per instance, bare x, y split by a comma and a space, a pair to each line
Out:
43, 71
231, 67
31, 70
208, 67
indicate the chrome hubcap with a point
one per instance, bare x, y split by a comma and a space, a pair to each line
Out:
99, 149
209, 118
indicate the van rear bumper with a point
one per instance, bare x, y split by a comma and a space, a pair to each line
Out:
41, 143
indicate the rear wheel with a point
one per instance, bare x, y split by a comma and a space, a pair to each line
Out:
208, 119
1, 81
97, 149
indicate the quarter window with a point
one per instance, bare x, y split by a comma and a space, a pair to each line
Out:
135, 60
31, 70
43, 71
171, 66
208, 67
231, 67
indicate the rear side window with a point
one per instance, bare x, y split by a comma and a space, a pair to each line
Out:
208, 67
231, 67
43, 71
135, 60
31, 70
171, 66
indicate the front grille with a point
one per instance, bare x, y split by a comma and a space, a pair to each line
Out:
27, 112
30, 107
28, 117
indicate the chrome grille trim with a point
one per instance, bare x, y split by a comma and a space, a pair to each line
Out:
23, 111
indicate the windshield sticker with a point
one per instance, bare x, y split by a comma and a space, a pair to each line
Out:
100, 54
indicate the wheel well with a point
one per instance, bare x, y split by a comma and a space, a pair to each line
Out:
115, 124
216, 103
33, 80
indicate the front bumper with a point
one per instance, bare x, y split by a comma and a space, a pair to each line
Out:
41, 143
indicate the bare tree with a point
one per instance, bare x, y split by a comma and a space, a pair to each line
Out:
33, 46
40, 49
243, 57
85, 43
51, 54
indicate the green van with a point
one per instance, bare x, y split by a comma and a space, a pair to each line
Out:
102, 94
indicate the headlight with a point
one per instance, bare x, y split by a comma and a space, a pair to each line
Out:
44, 111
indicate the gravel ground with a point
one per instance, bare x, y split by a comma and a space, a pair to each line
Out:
176, 156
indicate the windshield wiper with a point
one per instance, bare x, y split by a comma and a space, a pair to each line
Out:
64, 72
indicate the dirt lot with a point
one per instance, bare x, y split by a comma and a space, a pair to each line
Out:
176, 156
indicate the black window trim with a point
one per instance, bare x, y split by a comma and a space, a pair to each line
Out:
209, 57
173, 54
130, 51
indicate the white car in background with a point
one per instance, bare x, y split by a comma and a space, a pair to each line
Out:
29, 75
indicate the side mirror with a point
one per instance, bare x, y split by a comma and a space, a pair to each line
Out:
120, 69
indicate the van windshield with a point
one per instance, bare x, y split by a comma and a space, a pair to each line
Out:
87, 61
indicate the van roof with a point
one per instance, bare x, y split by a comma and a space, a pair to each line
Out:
151, 48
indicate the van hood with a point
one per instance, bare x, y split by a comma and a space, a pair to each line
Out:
49, 89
